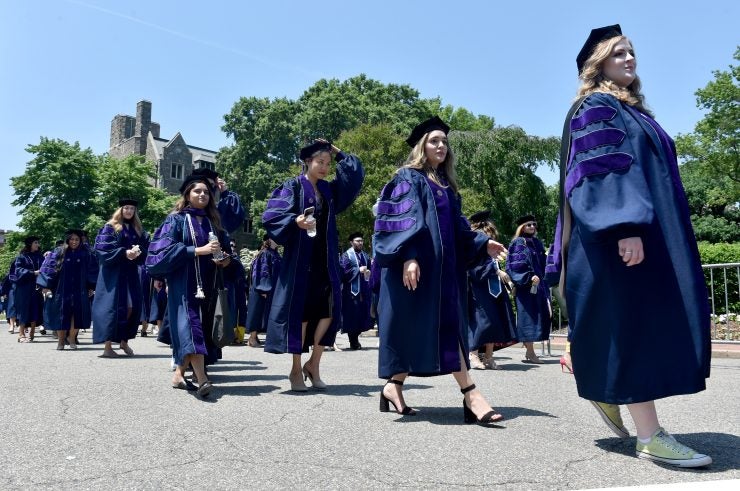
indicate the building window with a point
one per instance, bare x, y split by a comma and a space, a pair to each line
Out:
202, 164
248, 227
176, 171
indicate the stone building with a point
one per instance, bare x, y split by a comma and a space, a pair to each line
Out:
174, 159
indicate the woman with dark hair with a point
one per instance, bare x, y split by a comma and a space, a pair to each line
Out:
492, 322
116, 310
182, 254
8, 290
265, 270
301, 216
67, 278
28, 300
526, 267
630, 267
424, 246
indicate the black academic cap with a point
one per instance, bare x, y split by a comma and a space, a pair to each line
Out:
421, 129
314, 147
191, 179
128, 201
480, 216
525, 219
355, 235
206, 172
597, 35
30, 240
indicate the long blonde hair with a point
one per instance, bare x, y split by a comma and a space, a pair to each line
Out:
593, 79
211, 210
417, 159
116, 221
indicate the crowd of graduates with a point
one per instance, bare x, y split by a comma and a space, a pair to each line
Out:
434, 286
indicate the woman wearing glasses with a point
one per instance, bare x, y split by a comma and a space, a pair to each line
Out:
526, 267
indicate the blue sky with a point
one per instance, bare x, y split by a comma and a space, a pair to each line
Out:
68, 66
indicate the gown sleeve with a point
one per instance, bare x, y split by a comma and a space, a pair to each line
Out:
484, 269
48, 274
262, 273
399, 222
349, 270
606, 188
519, 263
347, 182
108, 246
92, 270
167, 252
231, 211
23, 269
283, 208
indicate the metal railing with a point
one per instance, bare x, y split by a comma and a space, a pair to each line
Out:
724, 294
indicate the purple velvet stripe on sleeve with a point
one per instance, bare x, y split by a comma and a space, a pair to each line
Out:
106, 240
598, 113
282, 192
601, 164
269, 215
49, 265
387, 208
595, 139
278, 203
402, 188
394, 225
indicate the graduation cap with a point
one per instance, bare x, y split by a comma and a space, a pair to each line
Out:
481, 216
206, 172
30, 240
191, 179
355, 235
421, 129
524, 219
597, 35
312, 148
128, 201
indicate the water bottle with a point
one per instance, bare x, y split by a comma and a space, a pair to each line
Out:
533, 290
48, 295
218, 256
311, 221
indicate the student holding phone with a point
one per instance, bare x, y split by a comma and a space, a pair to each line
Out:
301, 216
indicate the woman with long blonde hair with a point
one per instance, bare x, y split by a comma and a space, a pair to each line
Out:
116, 309
423, 244
630, 268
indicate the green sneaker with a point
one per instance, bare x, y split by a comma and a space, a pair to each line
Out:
612, 417
664, 448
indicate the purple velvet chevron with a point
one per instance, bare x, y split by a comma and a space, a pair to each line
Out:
517, 259
160, 242
388, 208
598, 113
278, 203
282, 192
598, 138
601, 164
394, 225
403, 188
106, 240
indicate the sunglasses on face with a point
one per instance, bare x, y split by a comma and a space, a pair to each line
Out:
530, 224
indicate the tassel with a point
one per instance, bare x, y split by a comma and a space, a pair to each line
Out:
199, 293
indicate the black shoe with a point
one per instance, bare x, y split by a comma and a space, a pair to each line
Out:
384, 402
487, 419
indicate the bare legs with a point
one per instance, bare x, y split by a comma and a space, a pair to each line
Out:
530, 355
645, 417
198, 364
312, 366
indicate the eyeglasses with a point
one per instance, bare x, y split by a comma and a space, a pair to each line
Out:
530, 224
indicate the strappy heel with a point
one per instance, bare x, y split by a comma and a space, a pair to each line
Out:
385, 402
470, 417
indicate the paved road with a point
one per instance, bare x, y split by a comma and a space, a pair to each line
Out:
76, 421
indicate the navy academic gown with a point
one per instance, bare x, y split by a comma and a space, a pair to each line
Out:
638, 333
423, 331
231, 212
356, 295
285, 204
147, 291
236, 280
491, 316
265, 272
118, 286
527, 258
10, 311
171, 257
28, 300
69, 285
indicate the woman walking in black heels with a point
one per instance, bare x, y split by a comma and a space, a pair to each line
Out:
424, 245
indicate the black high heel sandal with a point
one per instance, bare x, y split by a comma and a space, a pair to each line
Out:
384, 402
486, 420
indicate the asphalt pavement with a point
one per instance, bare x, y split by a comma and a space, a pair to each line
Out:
72, 420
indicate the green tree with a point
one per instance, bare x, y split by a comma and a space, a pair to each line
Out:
56, 190
497, 169
715, 143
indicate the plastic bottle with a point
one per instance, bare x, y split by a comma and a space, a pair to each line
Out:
311, 221
218, 256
